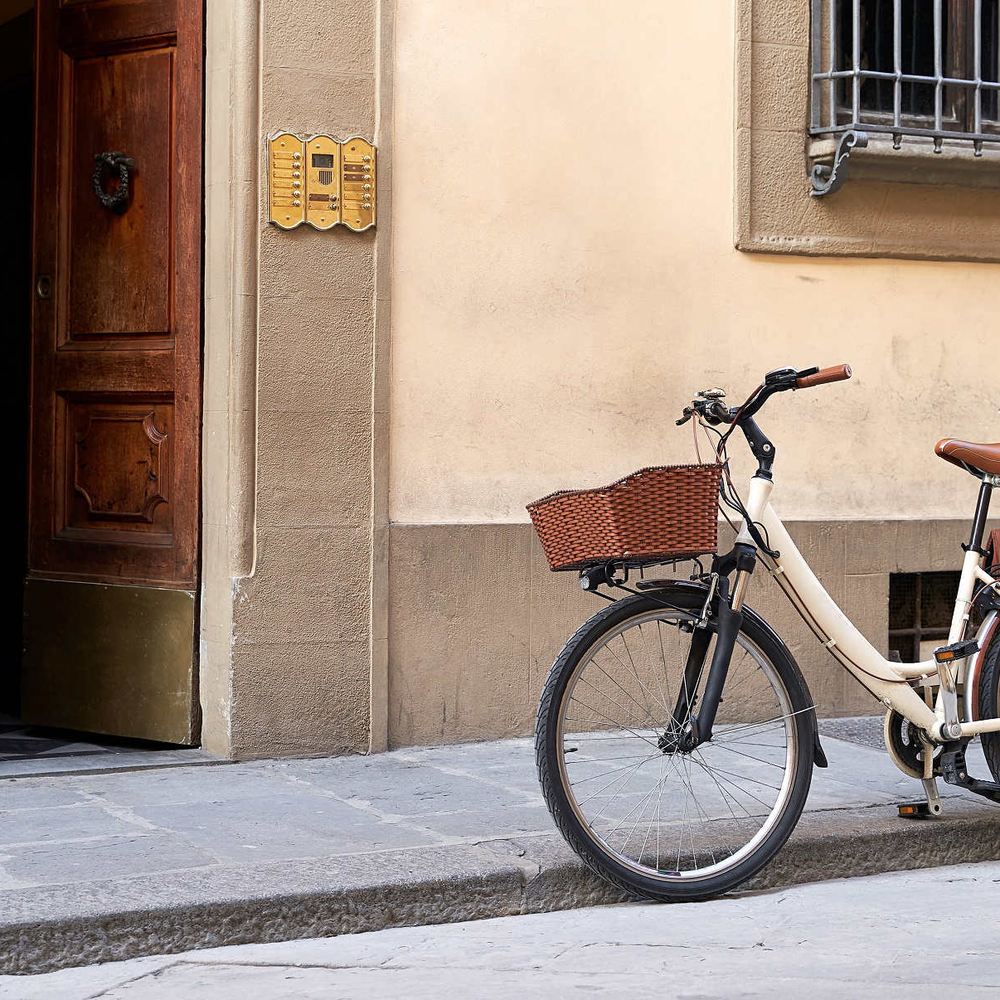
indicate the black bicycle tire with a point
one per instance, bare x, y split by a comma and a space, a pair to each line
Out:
989, 682
549, 772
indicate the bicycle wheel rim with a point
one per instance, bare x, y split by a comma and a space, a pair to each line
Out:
783, 721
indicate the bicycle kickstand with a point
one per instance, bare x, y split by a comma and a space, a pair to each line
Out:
932, 807
933, 799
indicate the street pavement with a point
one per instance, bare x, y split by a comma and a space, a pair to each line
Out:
926, 932
101, 867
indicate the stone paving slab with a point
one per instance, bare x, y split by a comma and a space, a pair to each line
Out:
100, 867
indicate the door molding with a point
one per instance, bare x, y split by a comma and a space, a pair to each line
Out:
229, 430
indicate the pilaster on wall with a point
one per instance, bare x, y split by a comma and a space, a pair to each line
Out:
295, 621
232, 43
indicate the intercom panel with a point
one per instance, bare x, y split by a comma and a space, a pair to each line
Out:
322, 181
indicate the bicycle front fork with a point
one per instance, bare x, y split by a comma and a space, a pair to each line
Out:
729, 615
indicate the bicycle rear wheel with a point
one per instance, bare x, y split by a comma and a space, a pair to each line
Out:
647, 815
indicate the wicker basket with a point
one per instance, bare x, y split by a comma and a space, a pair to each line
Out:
663, 512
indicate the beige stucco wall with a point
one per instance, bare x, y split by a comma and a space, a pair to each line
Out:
564, 276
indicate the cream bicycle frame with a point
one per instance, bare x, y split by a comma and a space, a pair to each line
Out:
888, 681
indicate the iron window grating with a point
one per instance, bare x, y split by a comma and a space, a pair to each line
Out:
827, 108
920, 610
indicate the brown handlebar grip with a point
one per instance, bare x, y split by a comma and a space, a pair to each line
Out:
836, 374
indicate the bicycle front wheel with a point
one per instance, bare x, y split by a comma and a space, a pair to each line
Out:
648, 815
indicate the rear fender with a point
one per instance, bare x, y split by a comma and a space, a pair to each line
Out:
988, 631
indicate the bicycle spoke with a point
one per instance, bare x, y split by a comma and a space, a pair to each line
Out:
628, 653
624, 667
624, 818
749, 756
655, 672
612, 721
633, 717
586, 737
620, 688
735, 784
686, 778
663, 661
726, 797
747, 728
680, 841
616, 770
631, 770
655, 817
606, 760
743, 777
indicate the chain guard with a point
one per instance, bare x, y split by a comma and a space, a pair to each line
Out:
902, 741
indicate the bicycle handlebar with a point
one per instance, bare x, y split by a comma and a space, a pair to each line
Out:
836, 374
710, 407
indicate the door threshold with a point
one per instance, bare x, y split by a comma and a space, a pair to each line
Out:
30, 751
140, 760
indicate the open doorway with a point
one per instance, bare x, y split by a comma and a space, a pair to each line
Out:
102, 296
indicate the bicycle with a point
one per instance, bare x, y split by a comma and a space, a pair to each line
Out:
676, 736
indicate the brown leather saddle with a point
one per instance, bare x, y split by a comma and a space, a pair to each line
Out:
979, 459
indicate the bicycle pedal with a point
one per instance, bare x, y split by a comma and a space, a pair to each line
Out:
914, 810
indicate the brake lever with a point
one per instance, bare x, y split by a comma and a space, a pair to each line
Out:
712, 411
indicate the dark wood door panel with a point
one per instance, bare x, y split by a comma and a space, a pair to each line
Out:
117, 467
85, 27
88, 370
116, 366
119, 265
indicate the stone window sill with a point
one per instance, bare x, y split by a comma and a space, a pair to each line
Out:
915, 162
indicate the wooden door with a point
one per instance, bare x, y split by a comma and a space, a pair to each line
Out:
116, 369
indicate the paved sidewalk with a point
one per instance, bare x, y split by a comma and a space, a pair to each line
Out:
846, 938
107, 866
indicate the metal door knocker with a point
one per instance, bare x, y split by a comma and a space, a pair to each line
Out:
117, 201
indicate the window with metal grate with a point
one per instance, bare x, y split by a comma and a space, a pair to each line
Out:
920, 609
927, 69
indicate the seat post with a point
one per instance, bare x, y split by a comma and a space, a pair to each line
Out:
982, 512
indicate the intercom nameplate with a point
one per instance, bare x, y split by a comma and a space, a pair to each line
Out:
321, 180
358, 183
285, 180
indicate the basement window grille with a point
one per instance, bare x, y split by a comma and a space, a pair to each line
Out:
907, 68
920, 609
